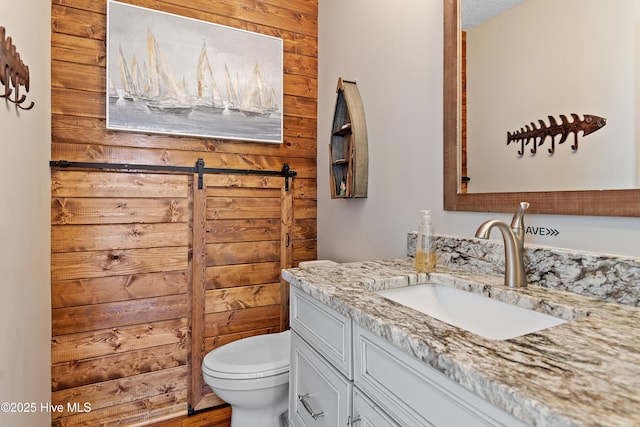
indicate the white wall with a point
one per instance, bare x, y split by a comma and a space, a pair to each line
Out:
584, 62
25, 313
395, 54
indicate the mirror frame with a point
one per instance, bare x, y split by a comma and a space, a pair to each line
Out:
588, 202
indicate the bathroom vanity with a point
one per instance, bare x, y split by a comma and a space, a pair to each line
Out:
357, 356
336, 365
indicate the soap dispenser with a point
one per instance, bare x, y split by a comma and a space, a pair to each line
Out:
425, 252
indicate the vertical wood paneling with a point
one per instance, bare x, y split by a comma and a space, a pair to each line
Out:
286, 250
463, 111
128, 253
197, 297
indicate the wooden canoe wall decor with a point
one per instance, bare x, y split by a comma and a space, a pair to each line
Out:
13, 72
537, 136
348, 150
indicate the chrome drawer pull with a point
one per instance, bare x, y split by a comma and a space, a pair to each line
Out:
307, 407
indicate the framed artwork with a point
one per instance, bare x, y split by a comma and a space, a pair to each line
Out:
175, 75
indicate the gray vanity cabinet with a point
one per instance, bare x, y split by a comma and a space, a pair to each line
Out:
343, 375
367, 414
318, 394
321, 372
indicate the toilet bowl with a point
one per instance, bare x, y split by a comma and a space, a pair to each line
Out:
252, 375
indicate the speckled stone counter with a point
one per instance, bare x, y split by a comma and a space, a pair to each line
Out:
606, 277
585, 372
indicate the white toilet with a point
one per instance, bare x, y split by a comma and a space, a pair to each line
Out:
252, 375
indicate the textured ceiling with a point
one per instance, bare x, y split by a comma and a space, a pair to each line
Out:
475, 12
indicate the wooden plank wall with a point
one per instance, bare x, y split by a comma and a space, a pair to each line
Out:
119, 281
121, 242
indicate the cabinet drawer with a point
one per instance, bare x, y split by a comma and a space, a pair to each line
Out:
328, 330
367, 414
318, 395
414, 393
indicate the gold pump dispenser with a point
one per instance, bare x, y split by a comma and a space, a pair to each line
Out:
425, 261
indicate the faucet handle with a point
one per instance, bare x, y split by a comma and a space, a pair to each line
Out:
517, 223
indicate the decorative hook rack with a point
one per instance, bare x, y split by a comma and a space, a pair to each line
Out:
537, 135
13, 72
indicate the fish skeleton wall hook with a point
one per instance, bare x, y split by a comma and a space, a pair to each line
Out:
537, 135
13, 72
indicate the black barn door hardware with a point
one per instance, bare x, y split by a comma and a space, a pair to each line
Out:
199, 168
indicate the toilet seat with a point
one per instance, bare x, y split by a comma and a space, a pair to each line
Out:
250, 358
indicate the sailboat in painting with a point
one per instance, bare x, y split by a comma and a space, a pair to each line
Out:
233, 97
125, 76
208, 96
165, 95
113, 92
139, 80
160, 91
260, 101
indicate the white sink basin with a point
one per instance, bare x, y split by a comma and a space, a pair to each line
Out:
475, 313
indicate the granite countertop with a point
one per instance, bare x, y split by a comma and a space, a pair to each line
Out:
585, 372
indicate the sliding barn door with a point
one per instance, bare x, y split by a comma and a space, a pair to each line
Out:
241, 241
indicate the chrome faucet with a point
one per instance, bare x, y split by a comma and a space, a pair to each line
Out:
514, 274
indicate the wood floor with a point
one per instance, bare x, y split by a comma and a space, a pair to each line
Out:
217, 417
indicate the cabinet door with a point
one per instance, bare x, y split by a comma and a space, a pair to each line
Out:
416, 394
328, 330
318, 395
367, 414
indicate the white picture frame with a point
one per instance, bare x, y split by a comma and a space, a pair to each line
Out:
181, 76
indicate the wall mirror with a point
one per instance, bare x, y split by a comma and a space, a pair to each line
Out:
623, 202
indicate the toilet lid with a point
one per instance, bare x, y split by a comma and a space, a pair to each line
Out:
253, 357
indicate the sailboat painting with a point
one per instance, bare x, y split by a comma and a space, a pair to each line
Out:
176, 75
